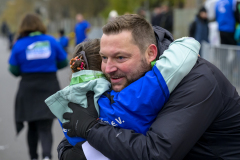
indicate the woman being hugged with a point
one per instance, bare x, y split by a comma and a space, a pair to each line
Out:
36, 57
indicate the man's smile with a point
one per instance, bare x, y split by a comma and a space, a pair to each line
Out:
116, 79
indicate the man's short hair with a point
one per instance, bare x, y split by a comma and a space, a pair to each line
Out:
142, 31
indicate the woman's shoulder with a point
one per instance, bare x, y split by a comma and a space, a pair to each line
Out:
20, 42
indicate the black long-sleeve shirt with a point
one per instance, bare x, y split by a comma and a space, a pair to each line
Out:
201, 120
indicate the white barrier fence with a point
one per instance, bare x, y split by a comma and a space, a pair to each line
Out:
226, 58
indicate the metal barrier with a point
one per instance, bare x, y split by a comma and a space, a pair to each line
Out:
226, 58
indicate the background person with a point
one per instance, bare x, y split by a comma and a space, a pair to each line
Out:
112, 14
164, 17
225, 16
156, 16
199, 27
5, 29
81, 28
200, 119
36, 57
63, 40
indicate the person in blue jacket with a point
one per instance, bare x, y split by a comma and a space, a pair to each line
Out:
225, 16
81, 29
63, 40
119, 108
36, 57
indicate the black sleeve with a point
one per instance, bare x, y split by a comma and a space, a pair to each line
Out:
68, 152
63, 146
191, 108
192, 29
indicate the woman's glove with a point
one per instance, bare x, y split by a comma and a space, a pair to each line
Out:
82, 119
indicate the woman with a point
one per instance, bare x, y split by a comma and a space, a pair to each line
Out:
36, 57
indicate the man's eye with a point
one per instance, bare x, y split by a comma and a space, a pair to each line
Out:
104, 59
120, 57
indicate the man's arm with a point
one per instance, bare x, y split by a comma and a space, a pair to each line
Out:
191, 108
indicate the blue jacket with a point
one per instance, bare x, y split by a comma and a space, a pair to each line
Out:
225, 15
80, 31
63, 41
38, 53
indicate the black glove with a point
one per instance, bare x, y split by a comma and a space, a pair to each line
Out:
67, 152
82, 119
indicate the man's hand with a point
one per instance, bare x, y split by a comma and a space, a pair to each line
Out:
82, 119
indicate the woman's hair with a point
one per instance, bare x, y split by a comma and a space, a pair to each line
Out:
91, 49
31, 23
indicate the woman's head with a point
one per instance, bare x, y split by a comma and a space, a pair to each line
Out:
31, 23
91, 49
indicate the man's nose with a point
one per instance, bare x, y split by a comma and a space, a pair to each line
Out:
110, 67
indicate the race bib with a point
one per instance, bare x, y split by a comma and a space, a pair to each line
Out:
38, 50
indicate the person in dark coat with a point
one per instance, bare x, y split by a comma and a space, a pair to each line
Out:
36, 57
163, 18
4, 28
201, 119
156, 16
199, 27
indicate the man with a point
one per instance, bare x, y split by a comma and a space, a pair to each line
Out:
201, 120
81, 28
225, 16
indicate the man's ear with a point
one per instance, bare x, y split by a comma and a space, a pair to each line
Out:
151, 53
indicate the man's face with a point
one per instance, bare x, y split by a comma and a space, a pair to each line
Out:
79, 18
122, 60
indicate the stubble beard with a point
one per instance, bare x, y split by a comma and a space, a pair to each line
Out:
138, 73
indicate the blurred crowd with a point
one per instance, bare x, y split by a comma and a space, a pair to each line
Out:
217, 22
79, 33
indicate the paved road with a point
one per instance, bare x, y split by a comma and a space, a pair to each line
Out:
12, 147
